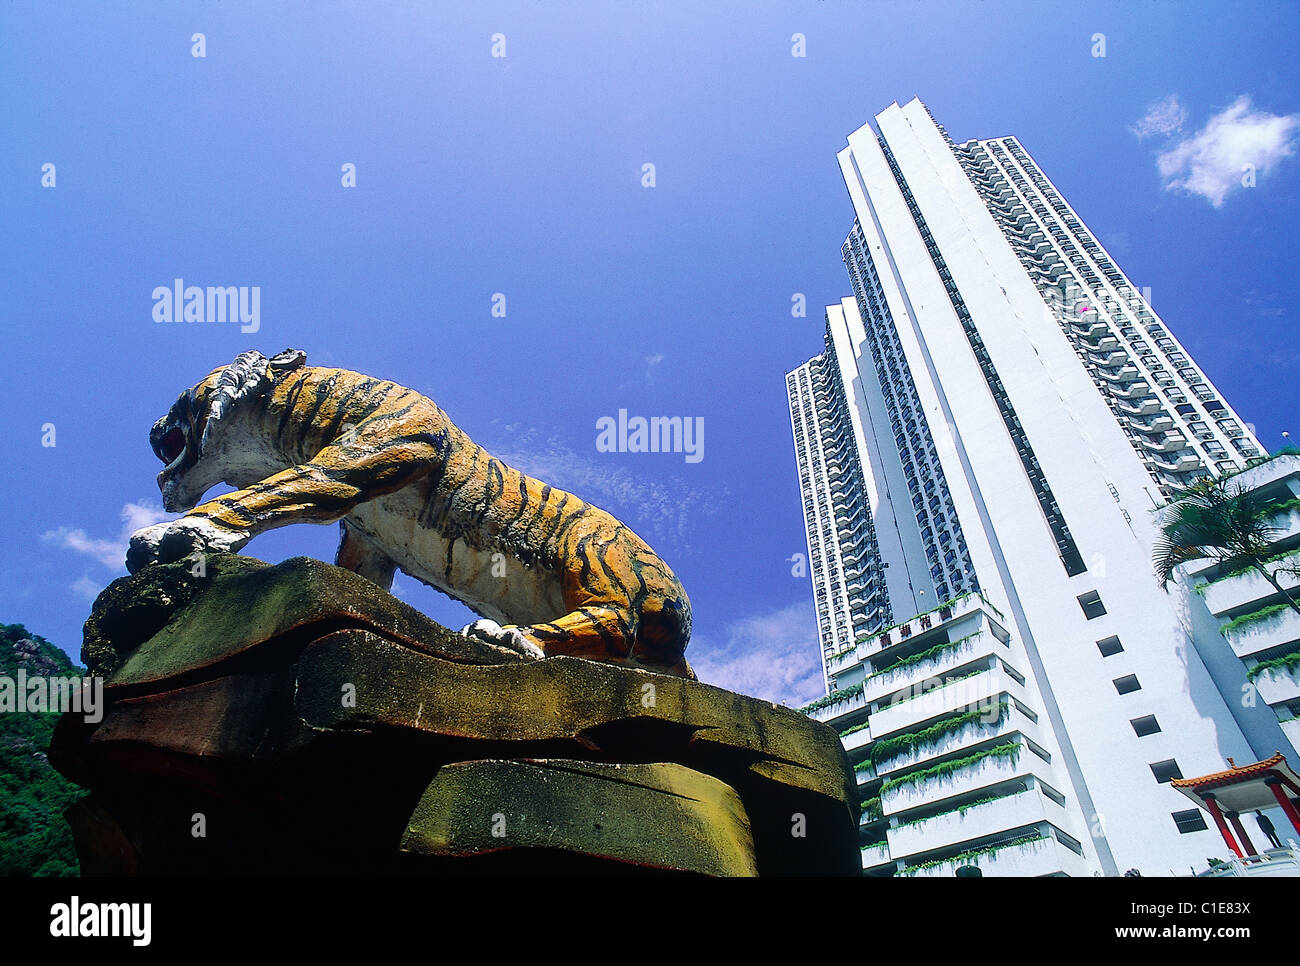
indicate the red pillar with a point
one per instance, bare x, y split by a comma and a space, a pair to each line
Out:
1279, 792
1213, 806
1235, 819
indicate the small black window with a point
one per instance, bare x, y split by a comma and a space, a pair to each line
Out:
1127, 684
1109, 646
1166, 771
1190, 821
1092, 605
1145, 725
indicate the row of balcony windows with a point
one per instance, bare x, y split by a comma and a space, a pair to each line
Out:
1096, 332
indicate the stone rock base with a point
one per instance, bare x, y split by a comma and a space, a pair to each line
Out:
297, 720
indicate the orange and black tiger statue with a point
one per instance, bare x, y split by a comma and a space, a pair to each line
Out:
549, 573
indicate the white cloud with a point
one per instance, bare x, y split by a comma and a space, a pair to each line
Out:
1163, 117
137, 516
647, 375
86, 588
771, 656
1215, 160
110, 552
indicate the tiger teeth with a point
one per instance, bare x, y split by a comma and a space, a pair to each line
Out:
177, 461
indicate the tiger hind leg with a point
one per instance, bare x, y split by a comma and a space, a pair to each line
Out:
362, 556
600, 633
597, 631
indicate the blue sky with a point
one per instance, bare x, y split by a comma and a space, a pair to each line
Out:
522, 175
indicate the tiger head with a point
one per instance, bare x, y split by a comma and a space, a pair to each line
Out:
189, 440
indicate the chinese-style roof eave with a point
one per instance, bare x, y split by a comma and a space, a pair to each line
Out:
1241, 787
1239, 773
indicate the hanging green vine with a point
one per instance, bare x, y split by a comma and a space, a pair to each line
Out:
1290, 661
1009, 750
990, 851
927, 655
913, 741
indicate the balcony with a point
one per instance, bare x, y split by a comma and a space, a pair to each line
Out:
908, 676
995, 726
1168, 443
920, 704
1278, 685
1044, 857
1158, 425
1291, 728
1116, 358
1185, 463
864, 773
1019, 810
845, 704
1147, 406
1039, 251
985, 772
1048, 261
1274, 629
1274, 862
838, 662
1107, 342
1134, 390
1123, 375
1287, 523
876, 858
1230, 593
856, 739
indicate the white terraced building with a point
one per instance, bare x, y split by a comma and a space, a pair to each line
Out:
994, 418
1261, 657
956, 764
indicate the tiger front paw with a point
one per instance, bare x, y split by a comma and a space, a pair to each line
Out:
176, 539
508, 637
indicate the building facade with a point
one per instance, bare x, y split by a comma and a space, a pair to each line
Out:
1246, 633
1017, 411
843, 557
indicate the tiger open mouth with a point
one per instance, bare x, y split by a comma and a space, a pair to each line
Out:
171, 448
175, 441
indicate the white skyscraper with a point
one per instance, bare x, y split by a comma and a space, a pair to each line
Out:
997, 414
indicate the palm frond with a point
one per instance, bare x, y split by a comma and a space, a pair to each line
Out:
1213, 519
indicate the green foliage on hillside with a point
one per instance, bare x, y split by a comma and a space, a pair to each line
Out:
34, 838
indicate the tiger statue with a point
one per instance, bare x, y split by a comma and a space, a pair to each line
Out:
548, 573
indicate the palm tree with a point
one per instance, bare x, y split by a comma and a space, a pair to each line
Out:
1215, 519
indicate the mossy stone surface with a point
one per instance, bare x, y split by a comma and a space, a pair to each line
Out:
320, 722
655, 816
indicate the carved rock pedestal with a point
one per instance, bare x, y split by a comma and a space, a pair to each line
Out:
296, 719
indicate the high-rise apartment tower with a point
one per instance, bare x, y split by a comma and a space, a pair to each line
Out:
997, 412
